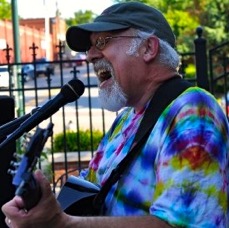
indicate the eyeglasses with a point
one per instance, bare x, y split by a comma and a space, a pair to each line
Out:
101, 42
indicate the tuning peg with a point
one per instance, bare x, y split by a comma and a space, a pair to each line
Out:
17, 156
11, 172
15, 164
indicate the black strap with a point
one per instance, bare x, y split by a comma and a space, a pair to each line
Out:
164, 95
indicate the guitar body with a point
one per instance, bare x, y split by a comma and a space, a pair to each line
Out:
76, 197
83, 207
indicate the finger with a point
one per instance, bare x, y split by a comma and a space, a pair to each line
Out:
8, 222
49, 206
43, 182
13, 207
19, 202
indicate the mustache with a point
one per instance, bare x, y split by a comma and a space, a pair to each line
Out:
103, 64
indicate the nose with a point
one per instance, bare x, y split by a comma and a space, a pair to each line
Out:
93, 54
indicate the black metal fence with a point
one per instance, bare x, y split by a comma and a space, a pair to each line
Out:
30, 91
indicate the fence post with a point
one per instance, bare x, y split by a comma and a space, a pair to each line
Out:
201, 60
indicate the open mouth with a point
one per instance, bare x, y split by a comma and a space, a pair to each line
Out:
103, 75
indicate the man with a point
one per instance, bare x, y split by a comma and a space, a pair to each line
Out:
180, 177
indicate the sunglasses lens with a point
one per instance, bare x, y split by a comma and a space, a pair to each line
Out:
100, 43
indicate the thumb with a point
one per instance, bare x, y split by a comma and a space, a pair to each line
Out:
43, 182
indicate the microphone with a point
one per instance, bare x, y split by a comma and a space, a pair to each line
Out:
9, 127
70, 92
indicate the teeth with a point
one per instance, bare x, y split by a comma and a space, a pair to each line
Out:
101, 71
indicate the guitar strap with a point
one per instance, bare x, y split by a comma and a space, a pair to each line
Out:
163, 96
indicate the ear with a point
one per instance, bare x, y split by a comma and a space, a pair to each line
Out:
151, 48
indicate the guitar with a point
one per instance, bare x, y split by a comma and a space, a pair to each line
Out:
23, 179
77, 195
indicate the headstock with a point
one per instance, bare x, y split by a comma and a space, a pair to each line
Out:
23, 179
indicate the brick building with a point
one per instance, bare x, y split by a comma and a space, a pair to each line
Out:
33, 31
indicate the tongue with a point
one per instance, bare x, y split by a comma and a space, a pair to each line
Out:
105, 83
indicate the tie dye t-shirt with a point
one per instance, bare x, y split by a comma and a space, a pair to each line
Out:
181, 174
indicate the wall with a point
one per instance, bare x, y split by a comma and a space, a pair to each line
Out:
32, 31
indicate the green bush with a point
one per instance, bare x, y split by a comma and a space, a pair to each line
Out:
190, 71
77, 141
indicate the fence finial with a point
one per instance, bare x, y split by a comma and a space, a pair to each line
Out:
201, 60
199, 31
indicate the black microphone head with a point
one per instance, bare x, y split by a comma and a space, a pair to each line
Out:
72, 90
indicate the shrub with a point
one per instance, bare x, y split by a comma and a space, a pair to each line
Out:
190, 71
77, 141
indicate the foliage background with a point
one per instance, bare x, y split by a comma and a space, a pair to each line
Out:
77, 141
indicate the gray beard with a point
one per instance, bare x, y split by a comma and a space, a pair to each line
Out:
112, 99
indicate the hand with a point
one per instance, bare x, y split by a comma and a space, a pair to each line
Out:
47, 213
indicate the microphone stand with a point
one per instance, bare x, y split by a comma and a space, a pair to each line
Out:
20, 130
11, 126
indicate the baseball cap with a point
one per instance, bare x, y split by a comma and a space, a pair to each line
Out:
121, 16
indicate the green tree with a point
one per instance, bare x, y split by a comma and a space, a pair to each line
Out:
215, 18
5, 10
81, 17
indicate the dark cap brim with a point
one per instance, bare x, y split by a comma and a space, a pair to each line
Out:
78, 37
